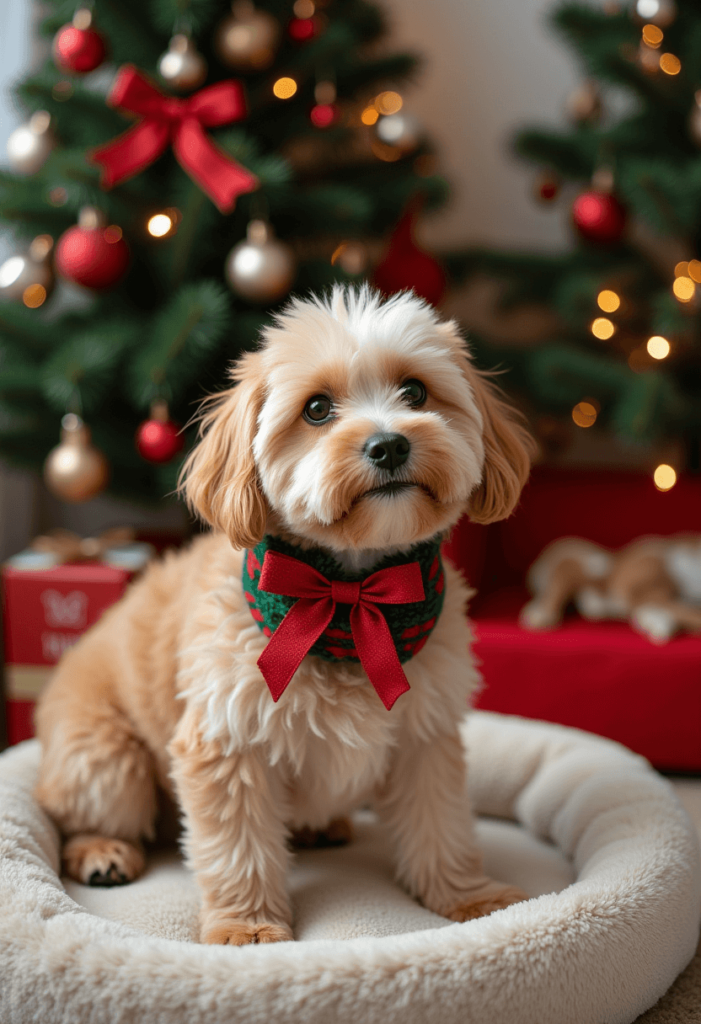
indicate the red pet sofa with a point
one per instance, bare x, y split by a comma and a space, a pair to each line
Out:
602, 677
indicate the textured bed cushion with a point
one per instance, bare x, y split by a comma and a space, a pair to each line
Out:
594, 834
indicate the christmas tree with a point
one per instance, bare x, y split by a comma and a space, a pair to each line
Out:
186, 164
624, 348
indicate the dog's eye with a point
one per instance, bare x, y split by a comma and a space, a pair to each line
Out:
414, 393
318, 409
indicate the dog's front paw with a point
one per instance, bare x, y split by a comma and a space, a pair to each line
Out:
485, 900
95, 860
234, 931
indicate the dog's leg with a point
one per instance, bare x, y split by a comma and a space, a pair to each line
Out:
235, 838
424, 802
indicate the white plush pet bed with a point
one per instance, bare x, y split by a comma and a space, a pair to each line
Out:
587, 828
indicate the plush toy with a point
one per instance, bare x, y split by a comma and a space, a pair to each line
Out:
654, 583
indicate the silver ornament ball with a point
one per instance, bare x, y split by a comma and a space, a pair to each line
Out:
182, 66
247, 39
261, 268
399, 130
656, 12
29, 276
29, 146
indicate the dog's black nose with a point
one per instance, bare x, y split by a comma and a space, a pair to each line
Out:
387, 451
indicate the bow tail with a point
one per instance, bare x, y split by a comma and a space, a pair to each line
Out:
218, 175
131, 152
299, 630
378, 655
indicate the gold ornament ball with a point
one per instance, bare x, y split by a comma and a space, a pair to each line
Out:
182, 66
75, 470
261, 268
29, 276
29, 146
399, 130
247, 39
657, 12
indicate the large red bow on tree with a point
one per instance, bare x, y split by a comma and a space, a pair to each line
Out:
180, 123
310, 615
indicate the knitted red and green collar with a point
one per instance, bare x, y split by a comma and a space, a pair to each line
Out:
410, 624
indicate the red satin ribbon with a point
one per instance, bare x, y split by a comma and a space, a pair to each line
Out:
180, 123
310, 615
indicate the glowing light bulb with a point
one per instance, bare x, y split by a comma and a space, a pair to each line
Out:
112, 234
389, 102
681, 269
670, 64
652, 36
369, 115
608, 301
603, 328
584, 414
695, 271
304, 9
665, 477
285, 88
658, 347
34, 295
684, 289
159, 225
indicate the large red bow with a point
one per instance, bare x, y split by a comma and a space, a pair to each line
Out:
310, 615
180, 123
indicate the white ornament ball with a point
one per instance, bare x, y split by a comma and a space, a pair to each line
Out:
247, 39
261, 268
399, 130
657, 12
29, 146
75, 470
182, 66
29, 276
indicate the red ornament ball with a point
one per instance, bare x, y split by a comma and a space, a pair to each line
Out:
599, 217
97, 257
303, 29
323, 115
158, 440
78, 49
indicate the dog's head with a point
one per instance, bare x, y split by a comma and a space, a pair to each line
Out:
359, 424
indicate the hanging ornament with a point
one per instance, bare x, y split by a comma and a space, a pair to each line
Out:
29, 146
546, 187
29, 277
405, 266
584, 104
75, 470
306, 23
695, 119
182, 66
656, 12
599, 217
77, 47
247, 39
325, 111
92, 253
158, 438
261, 268
400, 131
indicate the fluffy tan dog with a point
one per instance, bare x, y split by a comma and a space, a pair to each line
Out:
360, 428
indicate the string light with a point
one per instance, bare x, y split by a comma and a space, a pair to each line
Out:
665, 477
389, 103
608, 301
684, 289
159, 225
652, 36
670, 64
658, 347
112, 234
304, 9
285, 88
695, 271
369, 115
584, 414
34, 296
681, 269
603, 328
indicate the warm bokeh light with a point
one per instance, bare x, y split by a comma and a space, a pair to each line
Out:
369, 115
603, 328
652, 35
608, 301
387, 153
304, 8
681, 269
658, 347
323, 115
159, 225
58, 196
695, 271
670, 64
112, 234
584, 414
285, 88
389, 102
665, 477
34, 296
684, 289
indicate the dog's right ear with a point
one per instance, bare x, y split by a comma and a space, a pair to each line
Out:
219, 477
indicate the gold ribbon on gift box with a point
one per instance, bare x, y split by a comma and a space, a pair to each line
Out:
66, 546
